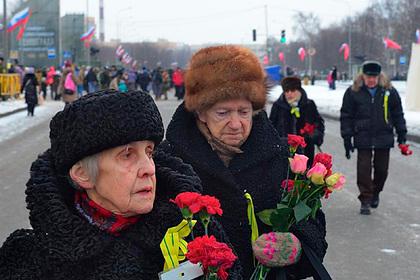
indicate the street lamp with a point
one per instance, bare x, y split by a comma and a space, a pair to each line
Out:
349, 39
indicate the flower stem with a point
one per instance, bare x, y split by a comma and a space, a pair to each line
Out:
190, 225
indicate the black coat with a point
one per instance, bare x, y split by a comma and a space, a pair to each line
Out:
287, 123
362, 116
259, 170
63, 245
29, 85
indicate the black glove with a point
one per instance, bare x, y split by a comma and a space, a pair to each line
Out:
348, 146
401, 139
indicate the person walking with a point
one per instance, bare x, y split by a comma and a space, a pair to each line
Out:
178, 80
370, 112
30, 85
333, 77
295, 113
92, 80
222, 130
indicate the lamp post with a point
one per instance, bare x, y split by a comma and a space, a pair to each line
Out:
5, 35
349, 40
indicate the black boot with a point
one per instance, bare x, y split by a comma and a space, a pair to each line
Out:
375, 201
365, 209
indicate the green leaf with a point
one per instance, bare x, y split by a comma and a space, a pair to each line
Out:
301, 211
316, 208
265, 216
280, 219
281, 205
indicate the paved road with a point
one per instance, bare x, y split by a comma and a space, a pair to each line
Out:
382, 246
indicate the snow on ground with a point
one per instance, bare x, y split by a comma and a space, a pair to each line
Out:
11, 105
17, 123
329, 101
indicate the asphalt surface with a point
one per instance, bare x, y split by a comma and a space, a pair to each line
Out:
384, 245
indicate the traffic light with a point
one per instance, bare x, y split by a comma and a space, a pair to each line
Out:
93, 50
254, 35
283, 37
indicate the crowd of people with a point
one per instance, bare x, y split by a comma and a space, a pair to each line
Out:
71, 82
99, 202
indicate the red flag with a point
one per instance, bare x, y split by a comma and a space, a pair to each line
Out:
19, 36
345, 47
265, 60
302, 54
389, 44
281, 56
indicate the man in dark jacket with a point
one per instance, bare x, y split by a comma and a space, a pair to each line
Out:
223, 132
295, 113
370, 112
84, 225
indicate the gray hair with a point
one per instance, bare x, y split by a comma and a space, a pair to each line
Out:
91, 165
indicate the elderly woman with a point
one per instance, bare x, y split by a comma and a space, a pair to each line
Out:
295, 113
223, 132
99, 197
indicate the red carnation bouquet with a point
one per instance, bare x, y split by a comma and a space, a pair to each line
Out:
215, 257
308, 129
301, 199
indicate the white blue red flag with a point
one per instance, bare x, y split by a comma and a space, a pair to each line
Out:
418, 36
19, 19
87, 36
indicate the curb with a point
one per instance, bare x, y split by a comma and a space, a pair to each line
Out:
410, 137
12, 112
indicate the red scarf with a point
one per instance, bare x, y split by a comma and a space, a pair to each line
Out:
101, 217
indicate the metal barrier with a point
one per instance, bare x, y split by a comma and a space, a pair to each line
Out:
10, 84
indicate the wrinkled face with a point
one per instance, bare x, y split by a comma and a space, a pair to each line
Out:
370, 81
126, 181
292, 95
229, 121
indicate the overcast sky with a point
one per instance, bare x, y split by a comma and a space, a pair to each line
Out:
211, 21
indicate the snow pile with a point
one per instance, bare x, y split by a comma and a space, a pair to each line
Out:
11, 105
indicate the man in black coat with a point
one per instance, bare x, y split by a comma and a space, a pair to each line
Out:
238, 151
370, 112
295, 113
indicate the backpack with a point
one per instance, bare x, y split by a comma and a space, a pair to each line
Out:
69, 85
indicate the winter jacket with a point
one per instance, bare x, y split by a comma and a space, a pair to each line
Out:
259, 171
287, 123
29, 85
364, 118
178, 78
64, 245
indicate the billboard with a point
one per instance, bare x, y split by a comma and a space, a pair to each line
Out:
40, 42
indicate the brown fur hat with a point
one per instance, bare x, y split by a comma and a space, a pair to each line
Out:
221, 73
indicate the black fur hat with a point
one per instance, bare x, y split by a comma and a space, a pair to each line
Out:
291, 83
100, 121
371, 68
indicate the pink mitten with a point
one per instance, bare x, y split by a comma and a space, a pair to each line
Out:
277, 249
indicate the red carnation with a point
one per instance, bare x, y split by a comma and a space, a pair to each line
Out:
213, 255
307, 129
295, 141
324, 158
207, 203
186, 199
289, 186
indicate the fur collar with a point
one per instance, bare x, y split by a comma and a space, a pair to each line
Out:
262, 144
384, 82
57, 224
